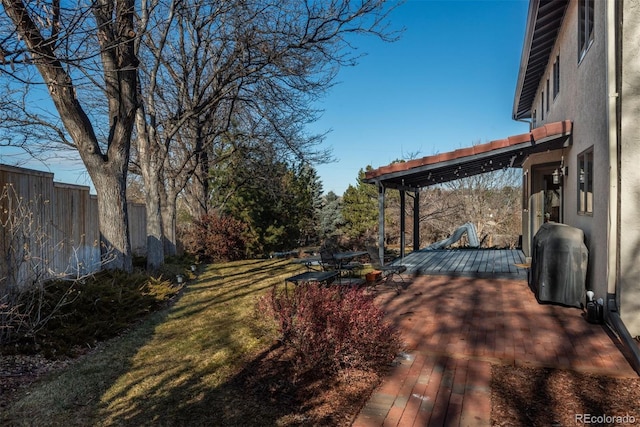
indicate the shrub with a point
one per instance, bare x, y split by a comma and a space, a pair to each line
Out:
60, 315
217, 238
330, 329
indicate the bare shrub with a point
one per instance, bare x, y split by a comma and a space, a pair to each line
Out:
24, 240
216, 237
330, 329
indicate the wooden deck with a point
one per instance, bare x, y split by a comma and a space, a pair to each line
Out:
486, 263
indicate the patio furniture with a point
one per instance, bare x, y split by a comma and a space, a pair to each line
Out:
320, 277
388, 270
311, 262
345, 261
339, 261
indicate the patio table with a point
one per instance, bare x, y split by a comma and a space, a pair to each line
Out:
343, 260
348, 256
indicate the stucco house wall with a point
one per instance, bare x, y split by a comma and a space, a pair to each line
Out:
629, 198
583, 100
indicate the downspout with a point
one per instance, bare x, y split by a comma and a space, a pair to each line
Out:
613, 44
529, 122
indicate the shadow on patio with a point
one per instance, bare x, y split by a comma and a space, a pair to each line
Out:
456, 328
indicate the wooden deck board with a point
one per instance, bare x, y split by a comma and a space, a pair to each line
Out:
467, 262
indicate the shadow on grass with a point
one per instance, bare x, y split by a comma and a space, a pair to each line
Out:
209, 360
172, 368
213, 363
71, 397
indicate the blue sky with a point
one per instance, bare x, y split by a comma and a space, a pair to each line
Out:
449, 82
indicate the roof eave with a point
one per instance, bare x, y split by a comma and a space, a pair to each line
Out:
543, 23
524, 59
469, 161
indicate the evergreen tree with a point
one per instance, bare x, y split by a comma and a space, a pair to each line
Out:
331, 222
278, 202
360, 209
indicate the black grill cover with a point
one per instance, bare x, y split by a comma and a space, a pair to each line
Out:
559, 264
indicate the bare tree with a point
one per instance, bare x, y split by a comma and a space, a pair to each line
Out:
492, 202
205, 65
236, 74
74, 51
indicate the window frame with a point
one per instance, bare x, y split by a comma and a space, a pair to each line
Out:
556, 77
585, 26
525, 190
548, 96
584, 180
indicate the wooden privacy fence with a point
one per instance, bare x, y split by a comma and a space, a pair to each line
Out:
50, 229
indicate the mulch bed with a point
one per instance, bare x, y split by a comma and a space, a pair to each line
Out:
523, 396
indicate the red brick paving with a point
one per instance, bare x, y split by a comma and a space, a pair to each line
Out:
456, 328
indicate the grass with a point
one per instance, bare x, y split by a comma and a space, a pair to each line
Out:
175, 368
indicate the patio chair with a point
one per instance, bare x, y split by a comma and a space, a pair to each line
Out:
327, 259
388, 270
329, 262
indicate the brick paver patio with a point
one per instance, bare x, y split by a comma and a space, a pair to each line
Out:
455, 328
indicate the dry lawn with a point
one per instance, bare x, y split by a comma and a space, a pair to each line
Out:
208, 360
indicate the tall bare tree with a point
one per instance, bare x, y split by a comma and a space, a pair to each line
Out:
205, 65
72, 49
250, 68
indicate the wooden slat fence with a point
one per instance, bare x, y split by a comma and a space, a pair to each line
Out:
51, 229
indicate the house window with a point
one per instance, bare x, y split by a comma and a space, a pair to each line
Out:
585, 182
542, 107
556, 77
525, 190
547, 106
585, 26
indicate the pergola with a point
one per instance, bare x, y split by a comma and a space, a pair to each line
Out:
413, 175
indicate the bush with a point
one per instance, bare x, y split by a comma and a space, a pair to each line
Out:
60, 316
330, 329
215, 237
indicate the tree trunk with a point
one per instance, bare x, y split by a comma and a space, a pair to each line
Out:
115, 245
155, 247
152, 176
108, 170
169, 223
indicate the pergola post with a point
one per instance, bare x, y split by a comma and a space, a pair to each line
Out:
402, 223
416, 221
381, 222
